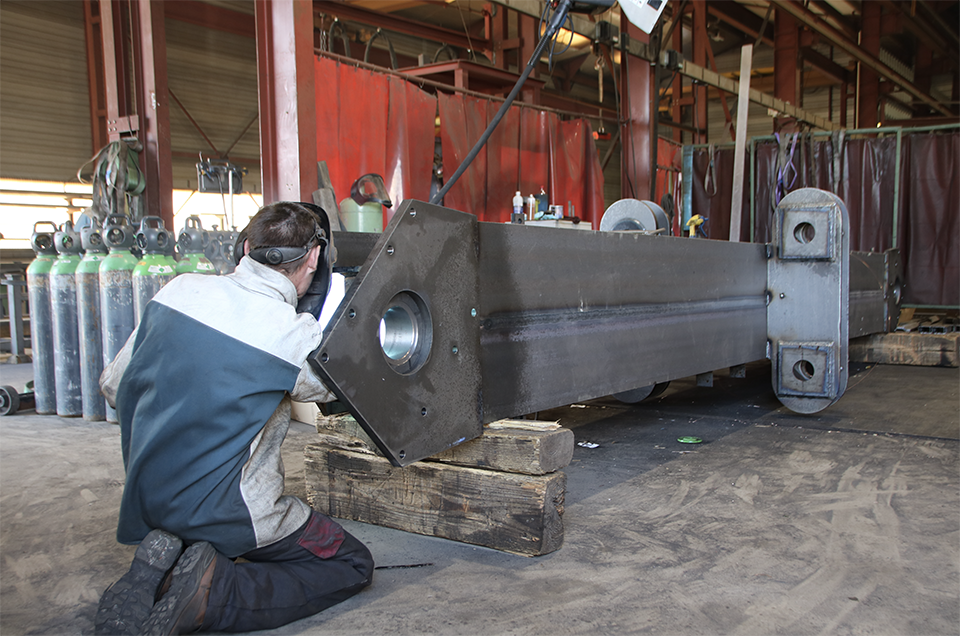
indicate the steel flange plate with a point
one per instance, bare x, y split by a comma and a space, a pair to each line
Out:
403, 349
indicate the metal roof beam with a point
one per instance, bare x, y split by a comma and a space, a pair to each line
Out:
403, 25
211, 17
819, 25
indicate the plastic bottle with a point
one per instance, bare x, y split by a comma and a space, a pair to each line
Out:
517, 216
531, 208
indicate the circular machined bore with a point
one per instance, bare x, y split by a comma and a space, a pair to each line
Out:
406, 333
804, 232
804, 370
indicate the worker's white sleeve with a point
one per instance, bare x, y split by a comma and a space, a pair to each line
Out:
309, 388
110, 378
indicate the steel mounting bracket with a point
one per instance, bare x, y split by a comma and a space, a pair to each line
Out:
808, 283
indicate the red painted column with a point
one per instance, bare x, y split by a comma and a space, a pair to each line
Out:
677, 109
868, 93
699, 92
923, 76
786, 56
498, 32
95, 77
153, 110
527, 27
636, 173
288, 114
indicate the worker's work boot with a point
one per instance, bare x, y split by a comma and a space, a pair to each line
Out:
126, 604
182, 609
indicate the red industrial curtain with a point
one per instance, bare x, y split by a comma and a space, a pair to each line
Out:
930, 189
576, 180
530, 151
372, 123
863, 173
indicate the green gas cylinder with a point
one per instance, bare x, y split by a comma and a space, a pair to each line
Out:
191, 243
41, 317
66, 337
155, 268
116, 289
88, 322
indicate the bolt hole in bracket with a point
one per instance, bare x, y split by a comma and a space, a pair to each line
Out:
808, 276
403, 347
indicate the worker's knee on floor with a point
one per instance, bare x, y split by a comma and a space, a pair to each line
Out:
358, 556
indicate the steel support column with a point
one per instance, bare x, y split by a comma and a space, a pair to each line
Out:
636, 83
95, 75
868, 90
677, 86
496, 16
133, 46
699, 92
288, 114
527, 30
153, 109
117, 103
785, 66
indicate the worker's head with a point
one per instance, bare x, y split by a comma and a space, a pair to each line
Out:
286, 236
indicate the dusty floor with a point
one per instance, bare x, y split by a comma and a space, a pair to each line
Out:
843, 523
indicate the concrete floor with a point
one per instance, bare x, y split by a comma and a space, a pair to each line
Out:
847, 522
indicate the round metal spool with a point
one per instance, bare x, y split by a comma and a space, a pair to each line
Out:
635, 396
9, 400
632, 215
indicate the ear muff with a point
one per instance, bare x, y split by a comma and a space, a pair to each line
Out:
277, 255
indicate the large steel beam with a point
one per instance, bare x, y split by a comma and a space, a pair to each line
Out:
451, 322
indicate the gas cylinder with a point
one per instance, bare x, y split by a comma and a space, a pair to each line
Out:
88, 322
362, 211
41, 318
116, 289
66, 336
228, 241
191, 243
155, 268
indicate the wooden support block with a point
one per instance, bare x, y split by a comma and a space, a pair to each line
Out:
506, 511
513, 446
916, 349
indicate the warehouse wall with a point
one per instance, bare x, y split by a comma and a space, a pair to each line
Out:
44, 104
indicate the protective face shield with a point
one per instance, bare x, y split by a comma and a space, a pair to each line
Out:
312, 300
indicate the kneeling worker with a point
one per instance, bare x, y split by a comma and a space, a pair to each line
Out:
203, 392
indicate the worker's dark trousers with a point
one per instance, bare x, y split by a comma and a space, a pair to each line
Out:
317, 566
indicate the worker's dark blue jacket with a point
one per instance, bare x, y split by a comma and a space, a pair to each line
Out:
201, 391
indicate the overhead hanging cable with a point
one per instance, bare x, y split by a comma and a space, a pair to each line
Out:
553, 27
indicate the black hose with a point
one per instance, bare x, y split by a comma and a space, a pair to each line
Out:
559, 17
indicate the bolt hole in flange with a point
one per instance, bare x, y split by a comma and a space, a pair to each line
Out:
897, 291
804, 233
804, 370
406, 333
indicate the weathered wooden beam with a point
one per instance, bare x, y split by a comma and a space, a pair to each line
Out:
506, 511
915, 349
513, 446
